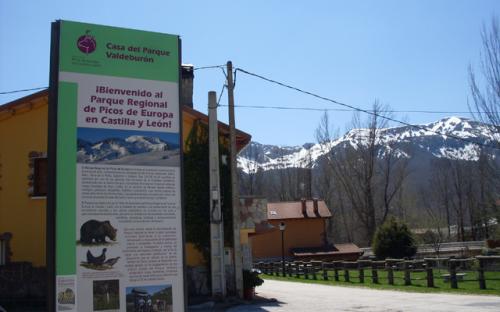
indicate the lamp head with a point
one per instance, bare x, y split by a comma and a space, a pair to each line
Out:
282, 226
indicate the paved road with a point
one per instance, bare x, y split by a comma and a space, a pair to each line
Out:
295, 297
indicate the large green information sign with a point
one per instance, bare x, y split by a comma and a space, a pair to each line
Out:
118, 221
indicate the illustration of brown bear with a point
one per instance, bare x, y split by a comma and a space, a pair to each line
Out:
97, 231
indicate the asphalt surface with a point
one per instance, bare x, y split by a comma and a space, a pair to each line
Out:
295, 297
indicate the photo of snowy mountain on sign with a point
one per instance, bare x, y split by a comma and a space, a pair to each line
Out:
126, 147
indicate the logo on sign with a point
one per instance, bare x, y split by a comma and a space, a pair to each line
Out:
86, 43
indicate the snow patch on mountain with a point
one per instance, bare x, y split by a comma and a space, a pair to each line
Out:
468, 152
441, 139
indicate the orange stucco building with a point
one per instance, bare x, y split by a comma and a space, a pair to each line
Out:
23, 129
305, 223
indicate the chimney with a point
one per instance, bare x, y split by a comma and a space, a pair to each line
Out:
187, 78
315, 205
304, 207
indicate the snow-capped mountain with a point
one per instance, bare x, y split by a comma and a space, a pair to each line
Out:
452, 137
113, 148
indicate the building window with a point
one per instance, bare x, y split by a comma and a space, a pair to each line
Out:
38, 175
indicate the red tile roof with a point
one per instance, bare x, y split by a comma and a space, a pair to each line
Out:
337, 249
293, 210
347, 248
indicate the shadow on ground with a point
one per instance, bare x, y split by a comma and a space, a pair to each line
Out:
259, 304
231, 304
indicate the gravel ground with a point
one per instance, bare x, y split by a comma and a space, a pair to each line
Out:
295, 297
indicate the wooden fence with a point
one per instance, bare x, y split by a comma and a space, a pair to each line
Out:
455, 270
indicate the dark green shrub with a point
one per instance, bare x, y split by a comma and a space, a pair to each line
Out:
251, 279
393, 239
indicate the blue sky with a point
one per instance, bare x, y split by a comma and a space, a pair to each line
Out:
411, 55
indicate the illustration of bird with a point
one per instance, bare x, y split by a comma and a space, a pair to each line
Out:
96, 260
111, 261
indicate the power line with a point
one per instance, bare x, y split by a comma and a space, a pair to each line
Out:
349, 110
373, 113
302, 108
22, 90
296, 108
209, 67
220, 95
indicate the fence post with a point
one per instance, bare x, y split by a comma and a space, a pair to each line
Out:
361, 272
306, 270
313, 268
374, 273
430, 273
297, 269
453, 274
407, 273
346, 272
324, 267
480, 271
336, 271
390, 273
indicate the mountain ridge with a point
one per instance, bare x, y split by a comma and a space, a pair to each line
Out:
451, 137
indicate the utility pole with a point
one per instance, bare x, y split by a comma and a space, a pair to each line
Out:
238, 266
216, 221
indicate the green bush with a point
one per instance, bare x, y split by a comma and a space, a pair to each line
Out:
251, 279
393, 239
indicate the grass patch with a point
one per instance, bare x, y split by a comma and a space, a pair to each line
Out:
469, 285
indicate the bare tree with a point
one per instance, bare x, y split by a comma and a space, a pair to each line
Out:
487, 100
252, 180
368, 174
482, 194
307, 175
355, 168
394, 171
488, 183
327, 187
280, 187
433, 235
324, 182
465, 191
440, 190
458, 200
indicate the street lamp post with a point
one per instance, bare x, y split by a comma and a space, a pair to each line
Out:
282, 229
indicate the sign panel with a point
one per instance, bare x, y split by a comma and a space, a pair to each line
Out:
118, 239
